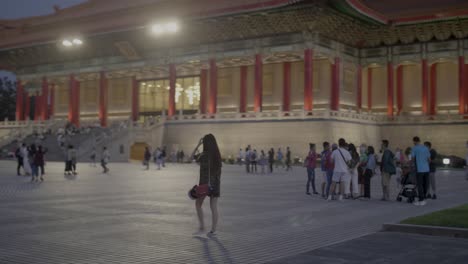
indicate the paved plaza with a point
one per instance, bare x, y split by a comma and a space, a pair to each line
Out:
137, 216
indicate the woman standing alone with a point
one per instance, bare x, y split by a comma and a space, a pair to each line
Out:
210, 173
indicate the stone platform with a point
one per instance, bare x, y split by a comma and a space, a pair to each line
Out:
137, 216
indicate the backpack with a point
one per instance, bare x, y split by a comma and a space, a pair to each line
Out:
253, 156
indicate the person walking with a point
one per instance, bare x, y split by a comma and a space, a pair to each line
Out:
147, 158
310, 164
105, 158
362, 168
422, 157
279, 158
263, 161
371, 165
210, 173
34, 163
271, 159
247, 159
163, 156
354, 190
19, 159
388, 169
326, 165
253, 161
158, 158
26, 161
340, 158
431, 183
288, 159
40, 160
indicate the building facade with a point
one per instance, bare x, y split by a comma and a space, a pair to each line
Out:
232, 62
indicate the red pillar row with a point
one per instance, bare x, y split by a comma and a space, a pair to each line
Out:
335, 91
203, 90
287, 86
45, 100
19, 101
135, 99
308, 79
433, 90
461, 84
399, 77
213, 98
466, 90
425, 86
369, 89
359, 88
103, 99
258, 83
243, 89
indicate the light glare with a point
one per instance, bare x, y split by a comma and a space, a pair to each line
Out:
446, 161
77, 41
67, 43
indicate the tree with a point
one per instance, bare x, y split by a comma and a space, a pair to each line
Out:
7, 99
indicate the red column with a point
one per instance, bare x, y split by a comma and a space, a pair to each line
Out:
258, 83
369, 89
213, 98
52, 100
286, 86
27, 107
433, 90
425, 86
203, 88
103, 99
308, 79
359, 88
37, 107
466, 90
399, 76
135, 99
461, 84
45, 100
243, 89
19, 101
390, 89
172, 90
335, 91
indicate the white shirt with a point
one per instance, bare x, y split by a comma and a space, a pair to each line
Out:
340, 164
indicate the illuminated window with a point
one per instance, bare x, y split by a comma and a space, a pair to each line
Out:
154, 95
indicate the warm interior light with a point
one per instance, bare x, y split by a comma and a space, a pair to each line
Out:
172, 27
67, 43
157, 29
77, 41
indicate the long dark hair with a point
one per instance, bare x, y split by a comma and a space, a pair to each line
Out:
210, 147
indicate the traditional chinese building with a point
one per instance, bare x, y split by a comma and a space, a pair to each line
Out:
250, 71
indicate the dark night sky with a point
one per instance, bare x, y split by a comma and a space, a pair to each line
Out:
12, 9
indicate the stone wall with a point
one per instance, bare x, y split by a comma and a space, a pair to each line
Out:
447, 139
263, 135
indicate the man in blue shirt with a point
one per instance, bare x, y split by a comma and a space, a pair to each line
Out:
422, 157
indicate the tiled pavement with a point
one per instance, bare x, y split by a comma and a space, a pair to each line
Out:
136, 216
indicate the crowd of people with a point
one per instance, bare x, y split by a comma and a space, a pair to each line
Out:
352, 170
251, 158
31, 159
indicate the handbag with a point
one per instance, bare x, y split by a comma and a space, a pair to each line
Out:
202, 190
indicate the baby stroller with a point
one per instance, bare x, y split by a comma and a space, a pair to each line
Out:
408, 187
